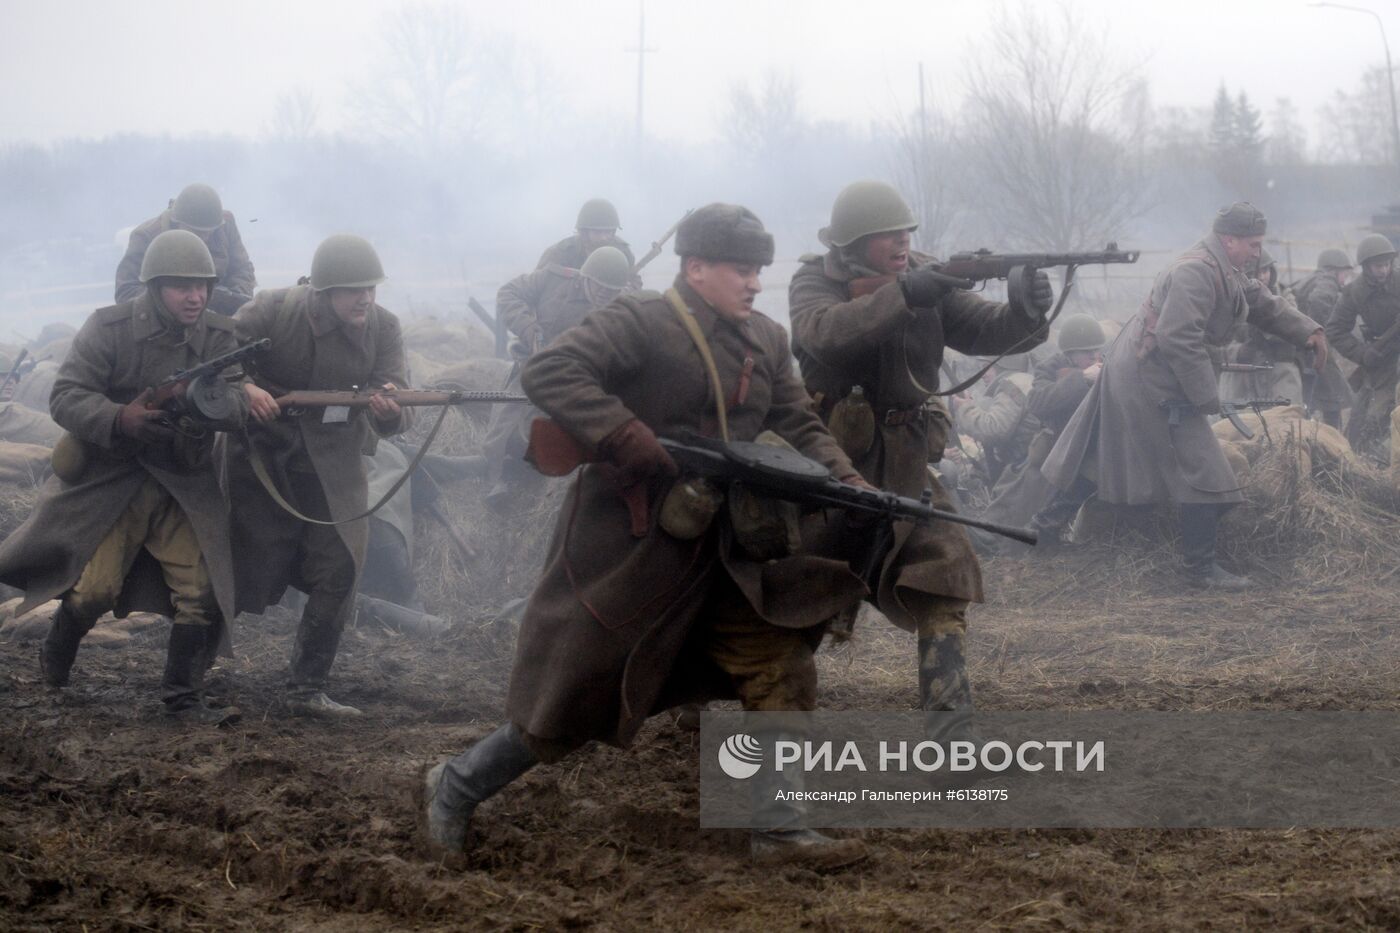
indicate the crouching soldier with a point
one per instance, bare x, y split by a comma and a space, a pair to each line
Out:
329, 334
135, 520
638, 612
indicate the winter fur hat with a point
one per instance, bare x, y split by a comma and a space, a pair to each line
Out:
1240, 219
725, 233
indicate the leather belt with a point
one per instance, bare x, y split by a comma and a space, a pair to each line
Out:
898, 416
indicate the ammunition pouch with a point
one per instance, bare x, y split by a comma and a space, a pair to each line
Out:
70, 459
852, 423
939, 425
764, 529
690, 507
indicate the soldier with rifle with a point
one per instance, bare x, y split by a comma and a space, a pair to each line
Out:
1327, 395
197, 209
661, 586
537, 307
299, 481
1263, 364
1121, 438
133, 519
870, 320
1373, 300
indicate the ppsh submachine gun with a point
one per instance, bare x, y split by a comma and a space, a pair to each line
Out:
1231, 411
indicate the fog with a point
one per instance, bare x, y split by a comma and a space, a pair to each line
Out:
462, 137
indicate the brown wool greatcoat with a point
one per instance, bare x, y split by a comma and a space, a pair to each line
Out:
311, 349
601, 644
121, 351
877, 341
235, 270
1120, 437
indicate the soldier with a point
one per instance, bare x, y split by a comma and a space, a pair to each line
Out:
629, 618
198, 209
1374, 297
1122, 437
597, 226
1260, 348
1317, 297
137, 522
999, 420
537, 307
870, 314
329, 334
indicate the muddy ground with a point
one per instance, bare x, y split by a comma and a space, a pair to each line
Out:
116, 819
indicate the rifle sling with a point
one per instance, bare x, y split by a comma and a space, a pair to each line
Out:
692, 327
261, 472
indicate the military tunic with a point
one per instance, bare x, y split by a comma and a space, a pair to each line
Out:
1376, 308
893, 351
571, 252
1317, 297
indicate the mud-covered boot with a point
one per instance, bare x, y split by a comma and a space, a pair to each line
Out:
945, 695
182, 684
317, 641
778, 837
453, 789
1199, 522
59, 649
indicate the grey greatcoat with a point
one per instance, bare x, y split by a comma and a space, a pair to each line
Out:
601, 645
311, 349
1317, 297
1120, 437
878, 342
121, 351
237, 280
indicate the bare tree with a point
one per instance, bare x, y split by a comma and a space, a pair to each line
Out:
1287, 143
763, 122
928, 170
294, 116
1356, 125
1058, 160
426, 88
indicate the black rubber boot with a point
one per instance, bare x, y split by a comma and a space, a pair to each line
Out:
457, 786
1199, 522
59, 649
778, 836
317, 641
182, 685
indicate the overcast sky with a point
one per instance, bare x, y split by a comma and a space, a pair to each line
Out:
90, 68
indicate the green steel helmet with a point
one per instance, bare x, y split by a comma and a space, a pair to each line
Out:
863, 208
198, 207
345, 261
598, 214
177, 253
1080, 332
1374, 246
607, 265
1333, 259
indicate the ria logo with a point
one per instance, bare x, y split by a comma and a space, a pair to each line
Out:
740, 756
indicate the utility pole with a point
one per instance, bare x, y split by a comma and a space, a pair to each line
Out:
641, 49
1389, 78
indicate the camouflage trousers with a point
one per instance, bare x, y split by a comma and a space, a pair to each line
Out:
153, 521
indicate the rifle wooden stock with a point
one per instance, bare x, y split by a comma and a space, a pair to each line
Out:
408, 398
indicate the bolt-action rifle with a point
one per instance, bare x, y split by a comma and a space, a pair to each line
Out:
408, 398
1247, 368
1175, 408
659, 244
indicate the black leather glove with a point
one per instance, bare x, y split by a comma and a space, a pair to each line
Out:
147, 425
924, 288
1039, 298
